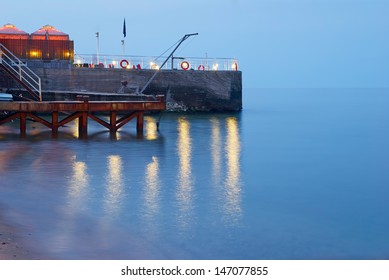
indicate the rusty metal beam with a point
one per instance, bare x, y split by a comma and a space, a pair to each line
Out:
40, 120
69, 118
82, 110
100, 121
9, 118
122, 121
92, 106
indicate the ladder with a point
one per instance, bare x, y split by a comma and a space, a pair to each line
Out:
21, 73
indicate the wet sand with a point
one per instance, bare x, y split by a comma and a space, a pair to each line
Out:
12, 240
10, 247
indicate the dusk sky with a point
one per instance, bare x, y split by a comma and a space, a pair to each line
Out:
278, 43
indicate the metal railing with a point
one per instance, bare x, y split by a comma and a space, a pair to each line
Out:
150, 62
20, 71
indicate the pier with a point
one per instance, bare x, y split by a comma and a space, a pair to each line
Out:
120, 113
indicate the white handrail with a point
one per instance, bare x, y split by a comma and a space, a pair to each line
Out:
16, 66
153, 62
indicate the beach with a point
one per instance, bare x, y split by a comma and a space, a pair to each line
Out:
11, 244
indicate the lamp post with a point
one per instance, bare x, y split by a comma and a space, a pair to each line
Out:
186, 36
98, 48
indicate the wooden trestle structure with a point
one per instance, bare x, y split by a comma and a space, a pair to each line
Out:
82, 109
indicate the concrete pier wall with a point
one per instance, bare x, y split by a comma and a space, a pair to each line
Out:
185, 90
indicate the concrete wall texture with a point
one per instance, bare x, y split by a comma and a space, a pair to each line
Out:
185, 90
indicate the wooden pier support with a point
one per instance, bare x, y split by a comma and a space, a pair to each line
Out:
81, 110
23, 125
139, 122
54, 121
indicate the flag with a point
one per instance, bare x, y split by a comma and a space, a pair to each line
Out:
124, 28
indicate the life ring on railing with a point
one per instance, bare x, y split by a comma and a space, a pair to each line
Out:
185, 65
124, 63
201, 67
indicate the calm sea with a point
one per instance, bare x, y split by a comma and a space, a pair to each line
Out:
298, 174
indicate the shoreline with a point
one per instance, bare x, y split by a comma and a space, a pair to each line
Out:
10, 247
12, 243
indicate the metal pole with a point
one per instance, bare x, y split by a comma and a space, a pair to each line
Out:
123, 49
98, 48
186, 36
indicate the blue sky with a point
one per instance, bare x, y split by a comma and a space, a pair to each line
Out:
279, 43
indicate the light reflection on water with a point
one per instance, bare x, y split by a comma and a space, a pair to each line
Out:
78, 184
114, 185
152, 189
151, 132
216, 150
278, 181
233, 183
185, 179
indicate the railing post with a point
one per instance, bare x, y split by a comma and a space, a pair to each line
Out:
20, 71
40, 89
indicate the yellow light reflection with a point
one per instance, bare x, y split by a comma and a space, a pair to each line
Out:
79, 181
151, 128
77, 192
233, 184
114, 185
152, 188
216, 146
74, 128
185, 180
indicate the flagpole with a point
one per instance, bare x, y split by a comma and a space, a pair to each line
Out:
124, 35
123, 49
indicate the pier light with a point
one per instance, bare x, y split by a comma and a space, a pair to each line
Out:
234, 66
34, 54
154, 66
215, 67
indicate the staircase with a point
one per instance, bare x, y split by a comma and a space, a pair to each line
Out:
19, 71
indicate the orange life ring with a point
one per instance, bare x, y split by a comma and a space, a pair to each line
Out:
185, 65
201, 67
124, 63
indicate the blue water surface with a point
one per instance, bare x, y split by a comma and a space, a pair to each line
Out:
298, 174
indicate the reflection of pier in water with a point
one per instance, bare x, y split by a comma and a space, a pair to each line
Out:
222, 163
233, 187
115, 186
228, 187
185, 179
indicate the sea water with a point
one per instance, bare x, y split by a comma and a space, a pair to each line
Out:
298, 174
